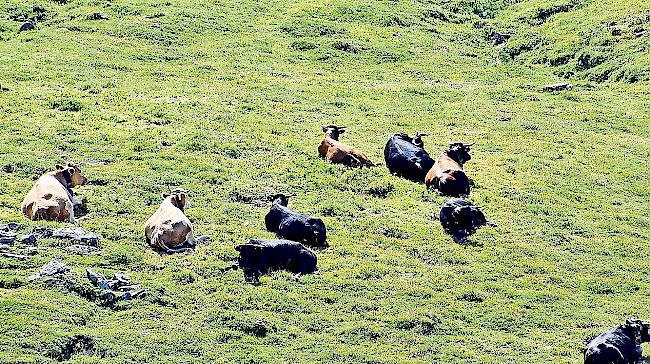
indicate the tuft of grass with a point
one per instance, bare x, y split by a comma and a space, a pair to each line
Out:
66, 104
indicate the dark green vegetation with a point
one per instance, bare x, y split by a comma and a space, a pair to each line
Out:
240, 89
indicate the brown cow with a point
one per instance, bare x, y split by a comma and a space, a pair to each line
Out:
51, 197
447, 175
337, 152
168, 228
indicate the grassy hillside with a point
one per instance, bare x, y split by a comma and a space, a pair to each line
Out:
595, 40
240, 89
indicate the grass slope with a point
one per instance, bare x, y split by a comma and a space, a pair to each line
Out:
240, 89
595, 40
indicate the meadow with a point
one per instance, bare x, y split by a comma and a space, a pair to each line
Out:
226, 98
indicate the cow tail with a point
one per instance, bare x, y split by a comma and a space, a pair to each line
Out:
157, 241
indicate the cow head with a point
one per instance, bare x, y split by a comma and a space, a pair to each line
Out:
417, 140
634, 328
179, 198
333, 131
252, 261
459, 152
280, 199
645, 331
72, 174
470, 216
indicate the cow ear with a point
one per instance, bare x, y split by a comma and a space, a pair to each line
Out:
341, 131
70, 164
324, 127
238, 247
165, 195
59, 167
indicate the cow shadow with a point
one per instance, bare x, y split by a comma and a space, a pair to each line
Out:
81, 209
470, 243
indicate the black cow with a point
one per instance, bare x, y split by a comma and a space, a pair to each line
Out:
261, 256
288, 224
406, 157
460, 218
619, 345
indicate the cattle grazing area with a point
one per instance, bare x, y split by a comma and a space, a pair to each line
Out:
202, 117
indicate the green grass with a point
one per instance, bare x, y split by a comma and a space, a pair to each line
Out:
240, 89
595, 40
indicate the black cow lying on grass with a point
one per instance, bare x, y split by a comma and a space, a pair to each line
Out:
619, 345
288, 224
406, 157
460, 218
260, 256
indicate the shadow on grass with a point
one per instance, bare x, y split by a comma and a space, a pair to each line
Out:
472, 243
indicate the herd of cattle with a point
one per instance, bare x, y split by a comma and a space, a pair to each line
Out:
169, 230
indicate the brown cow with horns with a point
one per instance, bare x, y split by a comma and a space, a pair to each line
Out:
337, 152
447, 175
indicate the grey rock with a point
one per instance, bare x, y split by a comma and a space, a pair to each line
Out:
561, 86
28, 239
97, 16
133, 295
13, 255
83, 249
52, 268
76, 235
119, 281
7, 234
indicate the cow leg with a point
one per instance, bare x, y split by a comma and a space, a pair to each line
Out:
75, 202
174, 250
436, 183
190, 240
354, 161
235, 266
338, 156
179, 250
70, 209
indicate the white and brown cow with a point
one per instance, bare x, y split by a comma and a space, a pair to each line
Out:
51, 197
168, 228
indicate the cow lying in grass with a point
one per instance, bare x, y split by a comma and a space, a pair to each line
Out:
460, 218
261, 256
168, 229
447, 174
406, 157
288, 224
619, 345
51, 197
339, 153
